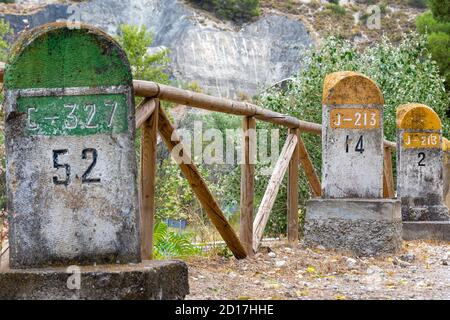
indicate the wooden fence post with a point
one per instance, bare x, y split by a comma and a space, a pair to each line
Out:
149, 130
272, 190
292, 229
310, 172
388, 177
247, 183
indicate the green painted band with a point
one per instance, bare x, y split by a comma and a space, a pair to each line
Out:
81, 115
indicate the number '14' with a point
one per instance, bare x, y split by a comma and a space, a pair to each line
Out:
359, 145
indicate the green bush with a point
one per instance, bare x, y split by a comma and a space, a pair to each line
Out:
440, 9
436, 24
136, 41
5, 33
336, 8
236, 10
404, 72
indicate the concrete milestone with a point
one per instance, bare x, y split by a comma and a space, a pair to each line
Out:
71, 173
352, 214
420, 183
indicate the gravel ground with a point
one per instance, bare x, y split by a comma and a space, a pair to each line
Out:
421, 271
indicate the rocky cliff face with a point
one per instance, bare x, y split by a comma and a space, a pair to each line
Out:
222, 60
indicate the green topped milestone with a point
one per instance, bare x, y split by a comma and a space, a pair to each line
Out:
69, 81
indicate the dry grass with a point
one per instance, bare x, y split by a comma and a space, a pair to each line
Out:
397, 18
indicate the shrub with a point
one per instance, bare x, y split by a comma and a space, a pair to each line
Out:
5, 33
146, 66
440, 9
436, 24
236, 10
336, 8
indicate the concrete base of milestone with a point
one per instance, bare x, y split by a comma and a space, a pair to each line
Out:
149, 280
426, 230
363, 227
428, 213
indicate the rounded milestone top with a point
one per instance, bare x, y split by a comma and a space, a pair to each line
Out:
61, 55
417, 116
351, 88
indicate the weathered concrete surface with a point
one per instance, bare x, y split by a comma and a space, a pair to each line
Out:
352, 140
420, 164
149, 280
363, 227
426, 230
71, 166
225, 60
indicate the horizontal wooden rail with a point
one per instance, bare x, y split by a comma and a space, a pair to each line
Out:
207, 102
203, 101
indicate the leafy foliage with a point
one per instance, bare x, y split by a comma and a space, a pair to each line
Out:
5, 33
236, 10
436, 24
146, 66
169, 244
174, 198
440, 9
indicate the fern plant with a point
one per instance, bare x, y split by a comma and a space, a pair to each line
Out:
169, 244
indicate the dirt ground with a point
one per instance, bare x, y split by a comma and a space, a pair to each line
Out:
421, 271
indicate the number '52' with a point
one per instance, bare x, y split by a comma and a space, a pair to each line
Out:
85, 177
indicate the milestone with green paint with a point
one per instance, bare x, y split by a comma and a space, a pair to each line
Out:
70, 133
75, 115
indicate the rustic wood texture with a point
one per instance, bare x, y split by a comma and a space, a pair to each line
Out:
388, 176
247, 183
272, 189
144, 111
308, 167
201, 190
203, 101
292, 200
149, 136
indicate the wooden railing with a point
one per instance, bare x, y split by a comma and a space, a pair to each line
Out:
293, 154
151, 119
